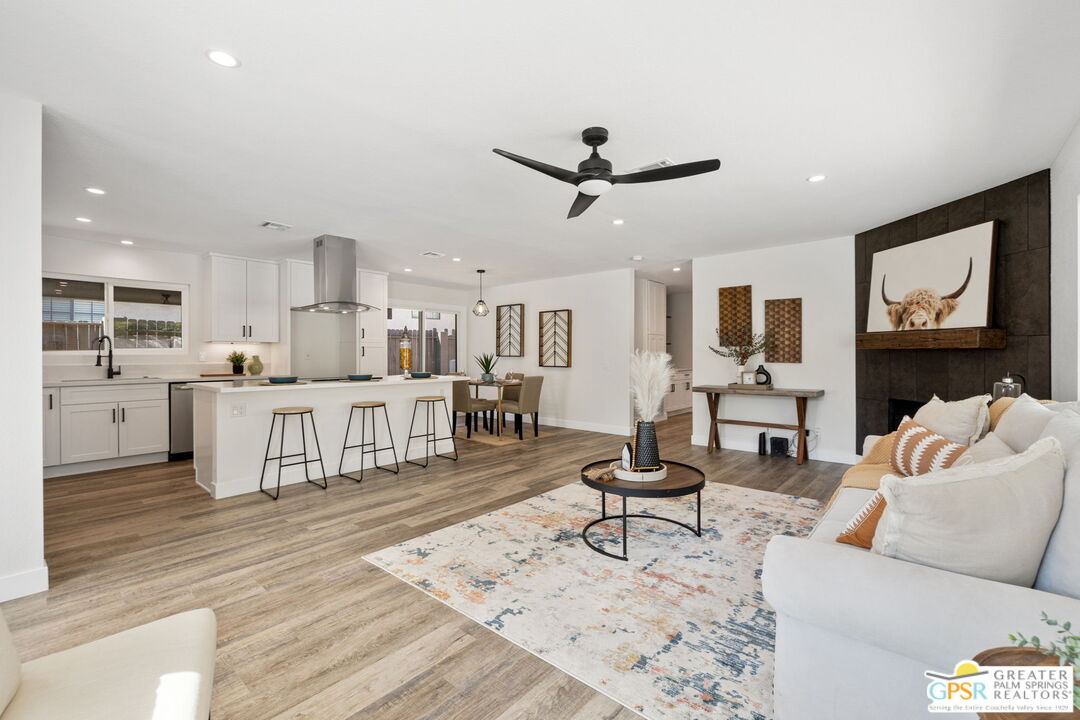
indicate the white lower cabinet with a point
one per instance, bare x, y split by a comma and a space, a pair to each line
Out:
144, 427
89, 432
50, 409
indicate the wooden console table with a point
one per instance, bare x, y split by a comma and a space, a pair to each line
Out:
713, 393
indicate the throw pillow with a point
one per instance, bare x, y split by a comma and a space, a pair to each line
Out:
860, 529
998, 408
960, 421
918, 450
1060, 569
990, 447
1022, 424
881, 451
990, 520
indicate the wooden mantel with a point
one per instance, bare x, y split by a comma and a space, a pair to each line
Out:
948, 339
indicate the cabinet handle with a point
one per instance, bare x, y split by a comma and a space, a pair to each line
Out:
50, 401
243, 331
251, 333
363, 352
687, 386
672, 388
123, 414
114, 415
363, 333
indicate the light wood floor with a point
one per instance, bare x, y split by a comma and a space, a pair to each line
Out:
306, 628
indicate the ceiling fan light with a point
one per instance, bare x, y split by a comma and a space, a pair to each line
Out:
593, 187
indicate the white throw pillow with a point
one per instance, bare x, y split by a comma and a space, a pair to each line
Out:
1060, 570
990, 520
1073, 406
989, 448
960, 421
1023, 423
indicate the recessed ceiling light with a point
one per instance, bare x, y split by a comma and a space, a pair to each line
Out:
617, 221
408, 269
95, 191
82, 219
456, 259
815, 178
222, 58
636, 258
127, 242
675, 269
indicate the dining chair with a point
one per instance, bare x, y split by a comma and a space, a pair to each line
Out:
465, 403
528, 403
511, 392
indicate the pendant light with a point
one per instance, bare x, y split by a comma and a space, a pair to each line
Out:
480, 309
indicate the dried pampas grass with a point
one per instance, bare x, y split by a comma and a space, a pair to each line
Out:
650, 376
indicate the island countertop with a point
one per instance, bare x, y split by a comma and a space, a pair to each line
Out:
261, 386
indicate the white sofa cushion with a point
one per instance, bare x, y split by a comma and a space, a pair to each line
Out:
989, 448
991, 520
960, 421
9, 666
849, 502
1060, 569
163, 670
1023, 423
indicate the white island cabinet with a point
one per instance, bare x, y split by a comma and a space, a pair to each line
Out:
232, 426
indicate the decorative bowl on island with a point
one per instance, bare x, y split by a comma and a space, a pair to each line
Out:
283, 380
420, 375
360, 377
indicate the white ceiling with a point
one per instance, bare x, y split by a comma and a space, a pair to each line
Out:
376, 120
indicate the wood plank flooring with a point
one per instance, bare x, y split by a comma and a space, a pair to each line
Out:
306, 628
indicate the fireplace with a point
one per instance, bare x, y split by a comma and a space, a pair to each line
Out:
899, 408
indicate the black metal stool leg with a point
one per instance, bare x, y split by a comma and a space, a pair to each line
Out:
390, 432
315, 434
345, 443
408, 443
266, 457
451, 438
281, 454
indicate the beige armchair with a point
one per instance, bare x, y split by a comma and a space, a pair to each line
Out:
465, 403
528, 403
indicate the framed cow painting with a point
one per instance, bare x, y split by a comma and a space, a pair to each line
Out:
941, 282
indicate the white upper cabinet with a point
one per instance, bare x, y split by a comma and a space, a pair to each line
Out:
243, 300
301, 283
650, 315
372, 290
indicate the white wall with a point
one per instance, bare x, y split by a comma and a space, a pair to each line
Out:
22, 529
680, 329
1064, 199
818, 272
113, 260
592, 394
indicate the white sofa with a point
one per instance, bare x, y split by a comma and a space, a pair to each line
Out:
163, 670
856, 630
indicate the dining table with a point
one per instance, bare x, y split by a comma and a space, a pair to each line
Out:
501, 385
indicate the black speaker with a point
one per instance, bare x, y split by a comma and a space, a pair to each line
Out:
778, 446
761, 443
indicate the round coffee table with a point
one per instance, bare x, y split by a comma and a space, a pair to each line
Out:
681, 480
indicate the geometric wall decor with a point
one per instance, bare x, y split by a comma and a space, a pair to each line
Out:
783, 325
555, 338
736, 312
509, 327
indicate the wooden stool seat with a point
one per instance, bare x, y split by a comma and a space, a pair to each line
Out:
369, 404
430, 398
292, 410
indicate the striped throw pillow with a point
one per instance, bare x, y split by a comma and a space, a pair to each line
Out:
860, 529
918, 450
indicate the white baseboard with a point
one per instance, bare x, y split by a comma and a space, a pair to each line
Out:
823, 455
110, 464
24, 583
624, 431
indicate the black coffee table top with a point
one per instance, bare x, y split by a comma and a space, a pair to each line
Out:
681, 479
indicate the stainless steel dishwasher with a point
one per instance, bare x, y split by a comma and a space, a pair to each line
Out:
181, 431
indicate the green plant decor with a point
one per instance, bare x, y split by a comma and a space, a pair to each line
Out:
236, 358
1066, 647
486, 362
742, 345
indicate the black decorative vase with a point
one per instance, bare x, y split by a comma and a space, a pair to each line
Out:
646, 450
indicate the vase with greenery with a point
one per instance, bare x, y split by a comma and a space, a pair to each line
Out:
650, 377
486, 361
237, 359
741, 345
1065, 647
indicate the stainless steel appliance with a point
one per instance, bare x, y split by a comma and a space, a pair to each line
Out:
181, 432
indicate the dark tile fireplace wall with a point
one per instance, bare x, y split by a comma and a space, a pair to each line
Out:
1021, 305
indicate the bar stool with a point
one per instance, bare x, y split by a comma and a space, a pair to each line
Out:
363, 445
283, 413
430, 438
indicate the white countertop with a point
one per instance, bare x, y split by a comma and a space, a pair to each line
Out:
148, 380
257, 386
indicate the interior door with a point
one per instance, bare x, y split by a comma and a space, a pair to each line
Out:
228, 302
262, 301
90, 432
143, 427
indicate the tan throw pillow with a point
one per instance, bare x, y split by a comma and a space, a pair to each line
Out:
918, 450
860, 529
881, 451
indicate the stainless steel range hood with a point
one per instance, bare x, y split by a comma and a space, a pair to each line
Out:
335, 277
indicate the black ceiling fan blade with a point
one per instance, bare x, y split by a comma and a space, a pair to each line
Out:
581, 204
556, 172
671, 172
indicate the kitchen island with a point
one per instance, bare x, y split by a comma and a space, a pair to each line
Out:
232, 425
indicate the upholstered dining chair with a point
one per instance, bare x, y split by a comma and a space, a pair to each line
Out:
465, 403
511, 392
528, 403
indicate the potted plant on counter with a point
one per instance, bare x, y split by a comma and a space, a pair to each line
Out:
237, 359
486, 362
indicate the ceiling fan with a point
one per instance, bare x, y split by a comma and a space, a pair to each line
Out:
594, 177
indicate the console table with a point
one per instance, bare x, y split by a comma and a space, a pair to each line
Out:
713, 393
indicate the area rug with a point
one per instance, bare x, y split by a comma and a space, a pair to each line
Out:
679, 631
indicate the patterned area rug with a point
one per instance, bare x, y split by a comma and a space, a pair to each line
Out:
679, 631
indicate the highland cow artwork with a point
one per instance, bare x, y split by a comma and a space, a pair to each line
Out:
941, 282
